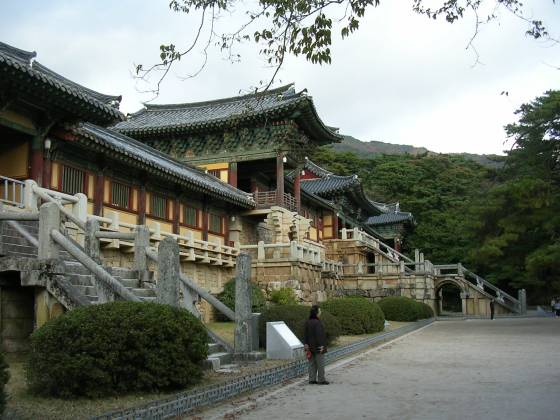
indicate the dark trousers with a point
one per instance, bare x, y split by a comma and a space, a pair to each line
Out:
317, 367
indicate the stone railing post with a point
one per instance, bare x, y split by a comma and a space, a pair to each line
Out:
243, 341
401, 267
91, 242
49, 220
114, 225
460, 272
344, 233
261, 253
168, 272
422, 262
293, 250
522, 297
29, 197
416, 259
79, 209
141, 244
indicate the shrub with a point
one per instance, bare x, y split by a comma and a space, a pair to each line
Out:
295, 316
423, 310
115, 348
227, 297
4, 377
356, 315
284, 296
401, 308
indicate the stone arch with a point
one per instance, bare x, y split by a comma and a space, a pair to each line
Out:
450, 293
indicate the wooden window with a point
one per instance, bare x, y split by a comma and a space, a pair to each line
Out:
158, 206
216, 224
72, 181
215, 172
120, 195
190, 216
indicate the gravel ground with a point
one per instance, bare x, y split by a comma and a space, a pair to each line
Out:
503, 369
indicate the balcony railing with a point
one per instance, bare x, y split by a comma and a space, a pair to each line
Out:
11, 191
267, 199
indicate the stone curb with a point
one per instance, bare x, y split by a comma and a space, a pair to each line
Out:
185, 402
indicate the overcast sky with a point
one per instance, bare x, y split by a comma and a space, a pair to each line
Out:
400, 79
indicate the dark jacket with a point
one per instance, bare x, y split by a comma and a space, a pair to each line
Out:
315, 336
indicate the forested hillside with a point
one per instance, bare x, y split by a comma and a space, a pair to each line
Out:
503, 222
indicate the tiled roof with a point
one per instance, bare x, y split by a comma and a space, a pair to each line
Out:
160, 163
386, 207
278, 103
389, 218
20, 66
316, 169
329, 184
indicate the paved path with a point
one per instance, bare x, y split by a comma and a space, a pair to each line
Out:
503, 369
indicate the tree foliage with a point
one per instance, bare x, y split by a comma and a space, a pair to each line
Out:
307, 27
503, 223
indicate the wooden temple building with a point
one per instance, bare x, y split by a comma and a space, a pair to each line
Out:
220, 177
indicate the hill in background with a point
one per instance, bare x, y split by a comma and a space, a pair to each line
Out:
375, 148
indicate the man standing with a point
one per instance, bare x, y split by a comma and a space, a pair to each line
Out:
315, 342
492, 309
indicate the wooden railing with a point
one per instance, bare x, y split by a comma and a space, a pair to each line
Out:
267, 199
11, 191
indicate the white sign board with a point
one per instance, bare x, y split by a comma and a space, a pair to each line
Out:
281, 342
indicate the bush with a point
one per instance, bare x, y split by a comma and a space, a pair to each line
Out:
356, 315
295, 316
4, 377
227, 297
401, 308
116, 348
424, 311
284, 296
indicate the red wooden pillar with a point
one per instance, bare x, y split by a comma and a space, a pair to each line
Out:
47, 172
335, 225
205, 220
280, 179
297, 189
37, 157
142, 205
232, 174
176, 208
98, 194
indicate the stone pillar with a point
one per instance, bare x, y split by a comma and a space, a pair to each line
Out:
464, 297
243, 314
522, 297
91, 242
168, 272
280, 179
235, 230
232, 174
141, 243
417, 259
49, 220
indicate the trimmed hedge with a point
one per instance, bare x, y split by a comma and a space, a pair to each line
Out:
401, 308
283, 296
4, 377
227, 296
356, 315
295, 316
117, 348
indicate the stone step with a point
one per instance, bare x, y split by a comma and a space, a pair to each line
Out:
80, 279
86, 290
140, 292
74, 267
128, 283
122, 272
215, 360
215, 348
20, 248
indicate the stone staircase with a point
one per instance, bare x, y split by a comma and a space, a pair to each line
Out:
13, 244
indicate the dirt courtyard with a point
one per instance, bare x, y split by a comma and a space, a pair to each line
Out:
474, 369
